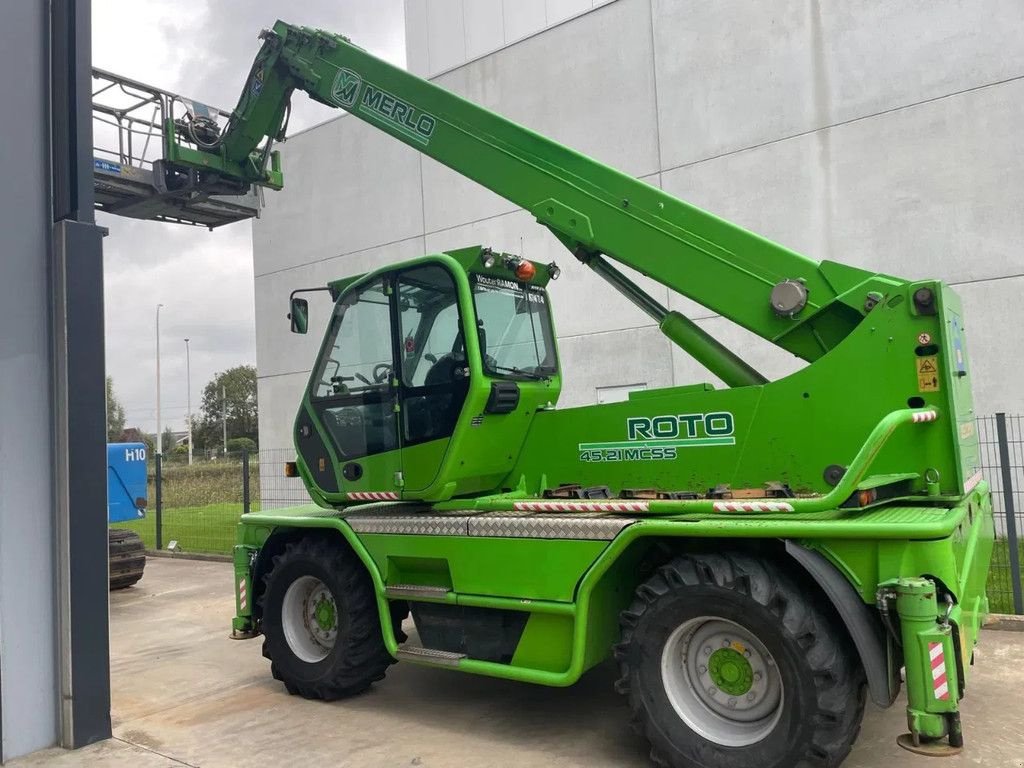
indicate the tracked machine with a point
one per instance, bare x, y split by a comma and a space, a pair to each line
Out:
759, 557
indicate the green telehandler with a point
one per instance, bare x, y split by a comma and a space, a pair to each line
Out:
759, 558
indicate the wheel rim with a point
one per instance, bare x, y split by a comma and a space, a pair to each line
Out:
309, 617
722, 681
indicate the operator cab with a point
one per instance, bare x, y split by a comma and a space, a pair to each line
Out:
404, 351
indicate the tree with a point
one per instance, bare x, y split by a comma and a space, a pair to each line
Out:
239, 387
136, 435
241, 445
115, 413
167, 441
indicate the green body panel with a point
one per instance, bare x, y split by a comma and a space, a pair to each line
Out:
546, 644
531, 569
585, 584
787, 431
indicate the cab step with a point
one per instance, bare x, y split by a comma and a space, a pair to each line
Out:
414, 591
430, 656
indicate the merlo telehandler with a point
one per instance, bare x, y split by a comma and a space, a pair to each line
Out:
758, 557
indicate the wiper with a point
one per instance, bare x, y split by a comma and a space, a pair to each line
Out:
520, 372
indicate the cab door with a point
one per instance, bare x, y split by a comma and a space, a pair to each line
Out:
433, 375
353, 397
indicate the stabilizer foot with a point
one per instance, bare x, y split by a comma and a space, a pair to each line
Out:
936, 748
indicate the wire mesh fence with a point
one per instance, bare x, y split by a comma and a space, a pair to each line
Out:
276, 490
195, 508
1001, 439
198, 506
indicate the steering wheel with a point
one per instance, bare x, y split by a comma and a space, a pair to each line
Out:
381, 373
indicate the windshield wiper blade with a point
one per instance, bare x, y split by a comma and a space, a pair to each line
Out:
520, 372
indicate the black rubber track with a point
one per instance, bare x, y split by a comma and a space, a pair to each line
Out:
127, 554
824, 689
359, 657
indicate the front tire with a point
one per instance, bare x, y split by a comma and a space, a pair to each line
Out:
728, 663
320, 623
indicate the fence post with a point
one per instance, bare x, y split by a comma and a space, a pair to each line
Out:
1010, 512
245, 482
159, 503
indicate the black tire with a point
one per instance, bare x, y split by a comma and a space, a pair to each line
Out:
127, 556
358, 656
822, 682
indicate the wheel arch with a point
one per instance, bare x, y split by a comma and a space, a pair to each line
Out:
279, 539
862, 624
645, 553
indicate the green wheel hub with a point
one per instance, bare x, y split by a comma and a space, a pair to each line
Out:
722, 681
730, 671
324, 614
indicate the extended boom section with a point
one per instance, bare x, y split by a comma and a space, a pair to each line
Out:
586, 205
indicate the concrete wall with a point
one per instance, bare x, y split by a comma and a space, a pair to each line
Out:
885, 136
28, 652
442, 34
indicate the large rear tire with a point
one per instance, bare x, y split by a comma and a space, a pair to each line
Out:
320, 623
127, 556
728, 663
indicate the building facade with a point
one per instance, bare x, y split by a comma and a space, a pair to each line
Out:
882, 135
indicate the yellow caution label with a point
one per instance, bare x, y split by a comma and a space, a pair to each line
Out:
928, 374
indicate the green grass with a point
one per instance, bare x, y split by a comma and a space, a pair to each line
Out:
209, 529
201, 505
1000, 586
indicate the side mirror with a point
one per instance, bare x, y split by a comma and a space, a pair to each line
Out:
299, 315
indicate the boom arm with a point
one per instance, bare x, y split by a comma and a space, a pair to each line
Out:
596, 211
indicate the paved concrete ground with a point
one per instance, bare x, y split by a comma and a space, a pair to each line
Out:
184, 694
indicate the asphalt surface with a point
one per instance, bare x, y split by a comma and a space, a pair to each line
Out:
185, 694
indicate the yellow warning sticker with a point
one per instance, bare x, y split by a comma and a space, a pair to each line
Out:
928, 374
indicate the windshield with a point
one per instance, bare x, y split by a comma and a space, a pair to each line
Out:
514, 328
357, 354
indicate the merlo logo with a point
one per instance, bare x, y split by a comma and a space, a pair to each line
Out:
345, 90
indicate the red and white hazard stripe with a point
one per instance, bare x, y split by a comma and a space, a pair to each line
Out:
972, 481
753, 506
372, 496
581, 506
925, 416
243, 598
939, 682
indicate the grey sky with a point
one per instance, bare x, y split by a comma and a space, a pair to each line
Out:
202, 50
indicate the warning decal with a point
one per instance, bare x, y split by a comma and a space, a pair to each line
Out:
928, 374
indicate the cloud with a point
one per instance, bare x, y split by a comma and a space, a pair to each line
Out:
201, 50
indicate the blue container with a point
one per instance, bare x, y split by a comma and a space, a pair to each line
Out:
126, 481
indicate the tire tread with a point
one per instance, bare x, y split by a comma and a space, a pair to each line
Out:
364, 659
838, 676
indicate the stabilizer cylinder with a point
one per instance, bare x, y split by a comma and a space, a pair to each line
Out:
929, 655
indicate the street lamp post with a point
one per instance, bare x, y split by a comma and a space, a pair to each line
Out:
159, 426
188, 398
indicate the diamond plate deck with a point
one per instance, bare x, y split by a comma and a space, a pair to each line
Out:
430, 656
423, 525
512, 525
516, 525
